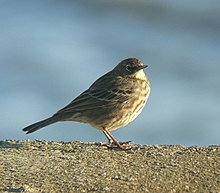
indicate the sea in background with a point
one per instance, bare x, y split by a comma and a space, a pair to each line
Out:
51, 51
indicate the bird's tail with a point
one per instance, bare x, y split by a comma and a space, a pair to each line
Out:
40, 124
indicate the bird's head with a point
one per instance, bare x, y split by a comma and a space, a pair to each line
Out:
130, 66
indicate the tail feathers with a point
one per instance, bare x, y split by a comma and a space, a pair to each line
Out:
40, 124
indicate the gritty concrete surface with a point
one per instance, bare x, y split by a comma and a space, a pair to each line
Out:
42, 166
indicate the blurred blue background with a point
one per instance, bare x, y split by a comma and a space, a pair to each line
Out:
51, 51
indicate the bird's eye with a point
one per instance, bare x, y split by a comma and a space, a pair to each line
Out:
128, 67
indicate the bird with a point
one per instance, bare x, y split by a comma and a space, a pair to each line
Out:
111, 102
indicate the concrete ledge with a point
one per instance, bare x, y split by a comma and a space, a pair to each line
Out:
42, 166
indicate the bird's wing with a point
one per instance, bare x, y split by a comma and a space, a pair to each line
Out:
99, 95
92, 100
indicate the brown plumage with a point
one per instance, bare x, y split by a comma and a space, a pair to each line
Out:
111, 102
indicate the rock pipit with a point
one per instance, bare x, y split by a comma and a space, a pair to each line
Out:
111, 102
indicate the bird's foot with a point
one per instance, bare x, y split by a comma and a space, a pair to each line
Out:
118, 144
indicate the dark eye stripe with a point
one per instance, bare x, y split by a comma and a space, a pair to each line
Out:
131, 68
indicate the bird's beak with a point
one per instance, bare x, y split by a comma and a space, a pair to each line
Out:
142, 67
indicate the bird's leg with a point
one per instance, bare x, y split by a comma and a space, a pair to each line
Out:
112, 140
108, 136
